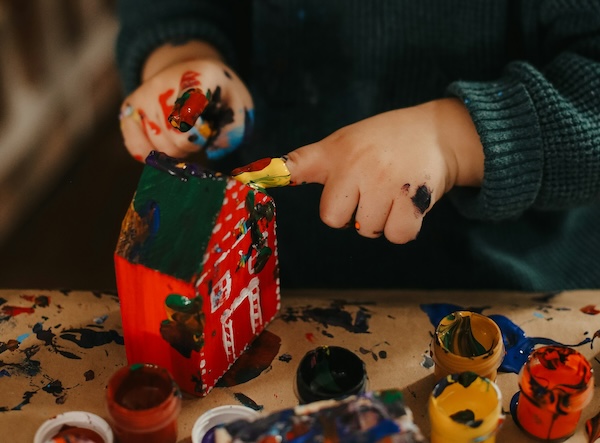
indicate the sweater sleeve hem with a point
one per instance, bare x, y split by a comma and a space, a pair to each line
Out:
506, 121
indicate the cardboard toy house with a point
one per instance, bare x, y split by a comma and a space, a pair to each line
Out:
197, 271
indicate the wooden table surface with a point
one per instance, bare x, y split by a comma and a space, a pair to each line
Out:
58, 349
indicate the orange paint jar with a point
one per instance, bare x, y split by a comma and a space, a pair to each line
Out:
143, 404
556, 383
467, 341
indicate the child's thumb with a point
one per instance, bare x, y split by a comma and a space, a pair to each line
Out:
306, 165
303, 165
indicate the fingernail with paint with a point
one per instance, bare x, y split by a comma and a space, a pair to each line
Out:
187, 109
264, 173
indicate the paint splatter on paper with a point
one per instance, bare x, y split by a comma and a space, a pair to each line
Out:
337, 314
518, 345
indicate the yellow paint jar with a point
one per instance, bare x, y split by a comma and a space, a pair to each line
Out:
465, 408
467, 341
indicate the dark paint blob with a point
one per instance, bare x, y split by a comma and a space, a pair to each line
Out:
286, 358
89, 375
27, 395
44, 335
256, 359
247, 401
55, 387
466, 417
43, 301
422, 199
88, 338
327, 334
335, 315
10, 345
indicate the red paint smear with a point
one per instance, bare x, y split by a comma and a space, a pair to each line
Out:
166, 108
146, 121
310, 337
252, 167
16, 310
189, 79
590, 310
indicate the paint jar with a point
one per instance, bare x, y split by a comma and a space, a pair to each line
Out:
143, 404
556, 383
330, 372
74, 426
465, 408
206, 425
467, 341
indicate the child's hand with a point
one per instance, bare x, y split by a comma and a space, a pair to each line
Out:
227, 115
383, 174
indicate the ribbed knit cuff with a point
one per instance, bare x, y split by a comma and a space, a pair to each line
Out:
133, 52
506, 121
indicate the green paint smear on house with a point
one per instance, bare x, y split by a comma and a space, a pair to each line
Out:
185, 214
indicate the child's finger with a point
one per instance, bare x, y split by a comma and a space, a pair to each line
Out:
372, 213
135, 139
404, 221
339, 202
307, 164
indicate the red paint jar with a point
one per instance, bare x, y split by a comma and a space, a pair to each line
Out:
556, 384
143, 404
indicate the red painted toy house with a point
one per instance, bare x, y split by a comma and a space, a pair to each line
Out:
197, 271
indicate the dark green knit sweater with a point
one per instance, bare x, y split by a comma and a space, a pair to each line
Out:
528, 71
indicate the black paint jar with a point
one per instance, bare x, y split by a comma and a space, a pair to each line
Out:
330, 372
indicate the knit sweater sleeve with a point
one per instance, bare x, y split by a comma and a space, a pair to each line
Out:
539, 123
148, 24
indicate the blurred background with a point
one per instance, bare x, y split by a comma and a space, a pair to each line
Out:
65, 177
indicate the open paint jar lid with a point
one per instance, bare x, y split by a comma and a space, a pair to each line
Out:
203, 430
78, 426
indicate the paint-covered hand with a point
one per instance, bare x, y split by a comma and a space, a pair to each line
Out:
187, 107
383, 174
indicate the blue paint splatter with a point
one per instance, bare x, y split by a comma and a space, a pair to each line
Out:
101, 319
518, 346
22, 337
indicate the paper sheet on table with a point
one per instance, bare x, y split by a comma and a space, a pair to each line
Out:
58, 357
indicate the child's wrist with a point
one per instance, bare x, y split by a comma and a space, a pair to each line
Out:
461, 143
